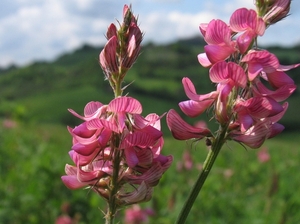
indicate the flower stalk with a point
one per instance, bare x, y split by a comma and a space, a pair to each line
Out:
207, 166
117, 151
250, 86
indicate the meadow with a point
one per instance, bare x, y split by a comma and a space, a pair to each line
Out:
34, 143
240, 188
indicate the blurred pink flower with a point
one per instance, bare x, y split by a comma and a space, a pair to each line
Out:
263, 155
63, 219
136, 215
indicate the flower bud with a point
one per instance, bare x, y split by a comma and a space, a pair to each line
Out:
273, 11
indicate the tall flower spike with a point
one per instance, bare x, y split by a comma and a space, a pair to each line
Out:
116, 151
250, 86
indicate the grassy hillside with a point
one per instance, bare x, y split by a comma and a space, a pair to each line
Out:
34, 150
43, 91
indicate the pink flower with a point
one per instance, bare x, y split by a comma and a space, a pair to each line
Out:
182, 130
263, 155
220, 46
246, 21
254, 136
197, 103
256, 108
137, 215
117, 129
64, 219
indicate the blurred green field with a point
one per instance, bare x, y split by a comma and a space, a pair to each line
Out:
240, 189
34, 142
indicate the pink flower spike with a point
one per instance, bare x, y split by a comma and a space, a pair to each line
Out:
182, 130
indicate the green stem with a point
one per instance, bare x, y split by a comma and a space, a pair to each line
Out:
114, 186
208, 164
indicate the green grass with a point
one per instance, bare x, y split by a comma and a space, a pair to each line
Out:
238, 190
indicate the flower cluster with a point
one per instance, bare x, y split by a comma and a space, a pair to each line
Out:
117, 151
117, 129
251, 83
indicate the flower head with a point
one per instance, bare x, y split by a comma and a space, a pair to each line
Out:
108, 130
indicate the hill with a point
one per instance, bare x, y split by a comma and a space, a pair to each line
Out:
43, 91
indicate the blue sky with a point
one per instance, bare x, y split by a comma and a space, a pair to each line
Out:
44, 29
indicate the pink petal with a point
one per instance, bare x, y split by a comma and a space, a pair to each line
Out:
278, 79
190, 91
260, 61
100, 124
238, 20
217, 53
193, 108
280, 94
182, 130
219, 72
83, 131
246, 122
237, 74
203, 60
104, 137
85, 150
140, 139
244, 41
255, 136
125, 104
131, 157
89, 176
203, 28
261, 107
145, 157
217, 32
287, 67
275, 130
72, 183
92, 110
278, 116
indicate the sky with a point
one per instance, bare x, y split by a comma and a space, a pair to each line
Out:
39, 30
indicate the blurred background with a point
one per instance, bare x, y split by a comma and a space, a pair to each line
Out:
49, 62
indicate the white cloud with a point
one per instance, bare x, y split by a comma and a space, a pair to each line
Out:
34, 29
162, 28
